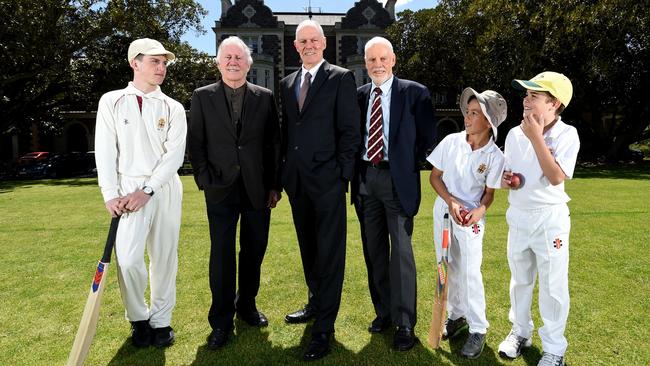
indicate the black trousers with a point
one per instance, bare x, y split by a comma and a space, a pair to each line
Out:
320, 221
223, 216
387, 249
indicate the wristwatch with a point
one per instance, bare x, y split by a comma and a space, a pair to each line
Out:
147, 190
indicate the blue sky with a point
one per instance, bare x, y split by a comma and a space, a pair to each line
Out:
206, 42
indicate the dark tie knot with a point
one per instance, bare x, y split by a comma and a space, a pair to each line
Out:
308, 76
378, 90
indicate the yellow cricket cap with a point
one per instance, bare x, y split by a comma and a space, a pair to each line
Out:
555, 83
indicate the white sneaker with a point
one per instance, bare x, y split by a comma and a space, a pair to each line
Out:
511, 346
549, 359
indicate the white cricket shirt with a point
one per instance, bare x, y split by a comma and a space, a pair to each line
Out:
467, 172
149, 145
537, 191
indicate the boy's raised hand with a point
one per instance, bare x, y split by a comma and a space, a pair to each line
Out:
533, 125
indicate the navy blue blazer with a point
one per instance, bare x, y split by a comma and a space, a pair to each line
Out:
412, 133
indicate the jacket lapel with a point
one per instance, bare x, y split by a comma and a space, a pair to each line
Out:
221, 108
251, 103
364, 97
291, 101
396, 108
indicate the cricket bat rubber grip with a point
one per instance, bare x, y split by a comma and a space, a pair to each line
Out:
110, 241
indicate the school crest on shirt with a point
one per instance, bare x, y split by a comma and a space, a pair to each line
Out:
161, 123
481, 168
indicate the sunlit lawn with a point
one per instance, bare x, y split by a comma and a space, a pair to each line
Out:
52, 233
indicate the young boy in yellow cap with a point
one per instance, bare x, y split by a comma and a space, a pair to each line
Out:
467, 167
542, 150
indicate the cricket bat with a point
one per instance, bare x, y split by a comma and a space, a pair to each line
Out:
88, 324
440, 301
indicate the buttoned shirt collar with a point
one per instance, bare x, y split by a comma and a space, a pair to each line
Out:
385, 87
312, 71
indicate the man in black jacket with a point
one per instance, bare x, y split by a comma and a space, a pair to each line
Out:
320, 140
234, 146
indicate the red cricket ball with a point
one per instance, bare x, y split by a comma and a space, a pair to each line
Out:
463, 216
515, 180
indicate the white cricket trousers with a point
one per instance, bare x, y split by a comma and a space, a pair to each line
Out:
156, 226
538, 244
466, 296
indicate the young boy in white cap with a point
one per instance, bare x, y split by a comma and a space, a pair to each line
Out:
542, 150
467, 167
139, 146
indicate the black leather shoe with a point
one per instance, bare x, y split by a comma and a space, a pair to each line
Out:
301, 316
218, 338
141, 333
404, 339
163, 337
454, 327
379, 325
318, 347
253, 318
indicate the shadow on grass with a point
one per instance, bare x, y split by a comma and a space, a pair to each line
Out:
489, 356
10, 185
531, 355
130, 355
638, 171
251, 346
246, 345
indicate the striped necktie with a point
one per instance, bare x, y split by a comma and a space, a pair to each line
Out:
376, 133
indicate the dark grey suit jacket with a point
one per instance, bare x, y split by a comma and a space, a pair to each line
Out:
320, 143
219, 156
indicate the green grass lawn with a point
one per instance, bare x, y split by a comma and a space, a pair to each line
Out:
52, 233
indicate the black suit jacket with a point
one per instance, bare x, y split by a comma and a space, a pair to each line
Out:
412, 133
320, 143
219, 156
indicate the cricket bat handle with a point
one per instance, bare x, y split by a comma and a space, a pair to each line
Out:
110, 241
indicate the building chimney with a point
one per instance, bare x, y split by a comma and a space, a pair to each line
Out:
225, 5
390, 7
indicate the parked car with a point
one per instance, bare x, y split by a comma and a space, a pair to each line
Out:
59, 165
33, 157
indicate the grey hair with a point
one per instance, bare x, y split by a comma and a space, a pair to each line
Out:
307, 23
238, 42
378, 40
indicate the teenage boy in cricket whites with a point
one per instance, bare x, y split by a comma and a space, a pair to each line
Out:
139, 146
543, 150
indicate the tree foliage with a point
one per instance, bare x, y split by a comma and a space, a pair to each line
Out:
63, 54
603, 46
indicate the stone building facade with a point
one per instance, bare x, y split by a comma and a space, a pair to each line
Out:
270, 35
